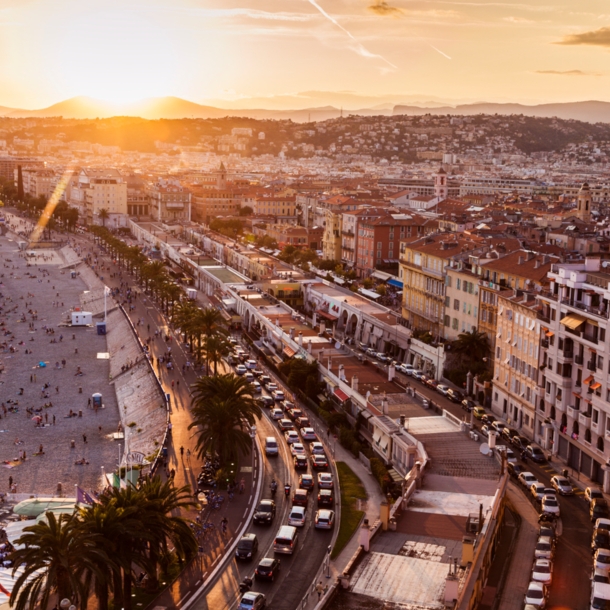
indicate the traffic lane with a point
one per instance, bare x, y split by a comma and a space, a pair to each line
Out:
572, 563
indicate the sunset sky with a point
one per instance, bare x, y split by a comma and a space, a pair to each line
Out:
210, 50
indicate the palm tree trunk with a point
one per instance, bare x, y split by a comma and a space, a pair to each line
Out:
127, 587
118, 590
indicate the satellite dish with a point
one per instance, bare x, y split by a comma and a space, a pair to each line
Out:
484, 449
337, 345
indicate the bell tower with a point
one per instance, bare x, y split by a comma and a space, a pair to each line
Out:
583, 209
221, 178
441, 188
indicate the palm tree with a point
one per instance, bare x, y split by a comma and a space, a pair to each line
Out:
211, 320
55, 553
223, 410
104, 216
473, 345
215, 347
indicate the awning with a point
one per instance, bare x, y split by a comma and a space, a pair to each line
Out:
366, 414
327, 316
341, 395
550, 334
589, 379
288, 351
371, 294
395, 283
592, 322
380, 275
396, 477
577, 394
595, 386
573, 321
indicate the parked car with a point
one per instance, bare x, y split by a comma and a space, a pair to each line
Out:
317, 448
485, 430
267, 569
299, 498
498, 426
432, 383
536, 594
478, 412
602, 524
325, 480
600, 575
247, 547
442, 389
407, 369
455, 396
308, 434
362, 346
300, 462
488, 418
509, 433
600, 540
598, 509
520, 442
527, 479
297, 516
417, 374
511, 458
535, 454
306, 481
544, 548
264, 513
319, 462
326, 497
371, 352
325, 519
468, 405
252, 601
543, 571
562, 485
537, 491
592, 493
381, 357
550, 505
601, 559
515, 469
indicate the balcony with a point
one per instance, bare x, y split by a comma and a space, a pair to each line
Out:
584, 419
590, 338
544, 343
596, 311
607, 434
573, 412
567, 354
591, 366
175, 205
595, 427
578, 359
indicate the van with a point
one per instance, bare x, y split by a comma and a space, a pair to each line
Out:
600, 596
271, 446
286, 540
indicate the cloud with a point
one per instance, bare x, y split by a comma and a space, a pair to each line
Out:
517, 20
381, 7
568, 72
596, 38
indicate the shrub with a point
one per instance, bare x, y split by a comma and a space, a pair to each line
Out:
380, 472
347, 437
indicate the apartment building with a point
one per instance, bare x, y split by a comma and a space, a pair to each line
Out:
290, 235
461, 299
38, 182
575, 359
516, 373
351, 232
281, 207
92, 190
334, 208
169, 201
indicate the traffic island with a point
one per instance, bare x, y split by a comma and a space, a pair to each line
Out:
352, 491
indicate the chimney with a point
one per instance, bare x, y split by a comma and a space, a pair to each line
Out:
292, 333
546, 259
537, 263
300, 338
520, 261
355, 383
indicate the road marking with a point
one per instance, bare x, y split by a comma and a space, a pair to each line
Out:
245, 512
217, 558
184, 598
197, 583
250, 498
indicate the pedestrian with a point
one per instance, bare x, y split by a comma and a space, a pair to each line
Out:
84, 438
242, 486
10, 481
319, 589
181, 450
223, 525
53, 419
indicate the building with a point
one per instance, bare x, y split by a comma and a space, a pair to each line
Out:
216, 196
351, 232
334, 208
92, 190
169, 201
461, 299
300, 237
38, 182
138, 199
282, 208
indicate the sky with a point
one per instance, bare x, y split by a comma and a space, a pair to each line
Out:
303, 53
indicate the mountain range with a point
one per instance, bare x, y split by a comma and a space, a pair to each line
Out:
178, 108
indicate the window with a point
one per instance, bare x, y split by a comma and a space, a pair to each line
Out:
454, 324
456, 305
458, 284
447, 320
447, 301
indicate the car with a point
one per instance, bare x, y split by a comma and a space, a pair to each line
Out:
488, 418
562, 485
520, 442
527, 479
602, 524
550, 505
325, 519
325, 480
250, 365
509, 433
417, 374
308, 434
285, 425
601, 559
591, 493
598, 509
295, 413
432, 383
256, 387
547, 519
249, 377
306, 481
537, 491
291, 436
381, 357
267, 401
442, 389
297, 516
511, 458
277, 414
600, 540
535, 454
252, 600
264, 513
247, 547
362, 346
498, 426
300, 462
407, 369
278, 395
257, 373
536, 594
600, 575
515, 469
264, 380
297, 448
317, 448
299, 497
326, 497
371, 352
271, 387
543, 571
319, 462
455, 396
478, 412
547, 529
485, 430
240, 369
287, 405
303, 422
267, 569
468, 405
545, 548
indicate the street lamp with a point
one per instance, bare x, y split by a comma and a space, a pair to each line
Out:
328, 561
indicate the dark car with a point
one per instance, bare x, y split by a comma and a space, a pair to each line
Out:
302, 422
319, 462
598, 509
600, 540
468, 405
267, 401
295, 413
520, 442
431, 383
547, 529
267, 569
509, 434
300, 497
326, 498
265, 512
306, 481
264, 379
515, 469
455, 396
247, 547
535, 454
488, 418
300, 462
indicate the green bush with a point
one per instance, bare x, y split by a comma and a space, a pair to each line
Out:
380, 472
347, 437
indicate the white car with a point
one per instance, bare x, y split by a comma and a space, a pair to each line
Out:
543, 571
537, 491
297, 449
240, 369
297, 516
278, 395
527, 479
291, 437
256, 387
250, 364
600, 575
407, 369
601, 559
309, 434
277, 414
317, 449
442, 389
544, 548
325, 480
249, 376
550, 505
562, 485
602, 524
536, 594
271, 387
417, 373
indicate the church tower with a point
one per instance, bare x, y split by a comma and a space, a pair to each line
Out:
221, 178
583, 209
441, 188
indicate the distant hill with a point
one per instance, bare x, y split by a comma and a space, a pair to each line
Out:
590, 112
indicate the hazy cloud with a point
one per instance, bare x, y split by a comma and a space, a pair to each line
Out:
518, 20
568, 72
597, 38
381, 7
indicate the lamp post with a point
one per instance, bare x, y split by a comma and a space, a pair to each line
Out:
328, 550
253, 436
